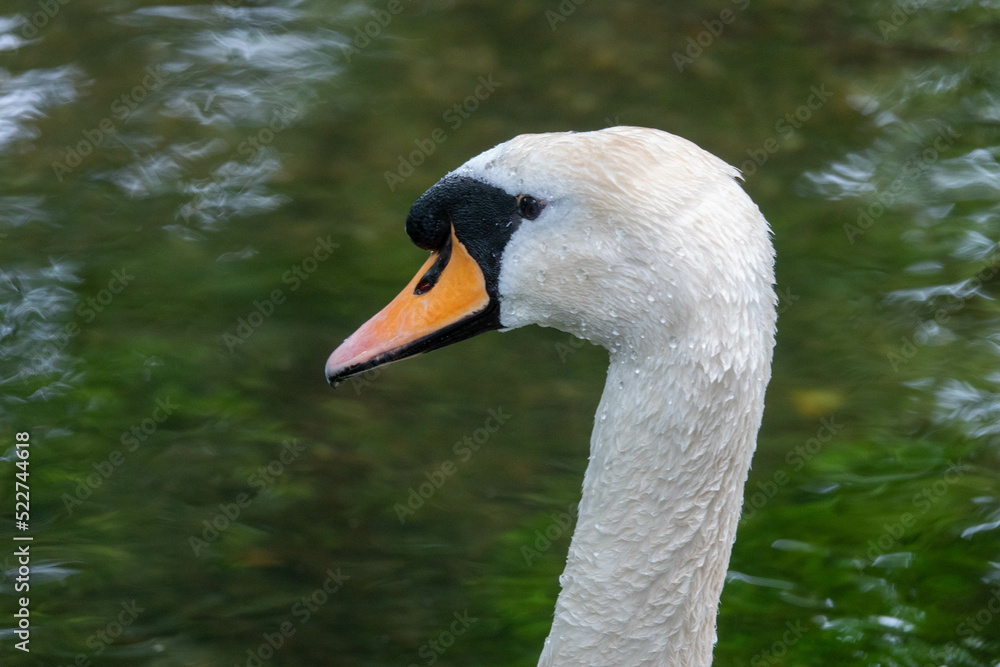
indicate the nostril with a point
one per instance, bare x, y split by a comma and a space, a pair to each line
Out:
430, 279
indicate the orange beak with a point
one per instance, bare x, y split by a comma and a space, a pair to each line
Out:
447, 301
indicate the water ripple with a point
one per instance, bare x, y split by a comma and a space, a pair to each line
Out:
35, 319
241, 75
27, 97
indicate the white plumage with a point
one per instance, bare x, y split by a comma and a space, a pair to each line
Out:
650, 248
643, 243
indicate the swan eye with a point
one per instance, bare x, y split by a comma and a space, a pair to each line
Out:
528, 207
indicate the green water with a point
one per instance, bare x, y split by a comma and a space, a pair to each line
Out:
198, 202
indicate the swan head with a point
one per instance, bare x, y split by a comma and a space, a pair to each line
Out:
627, 237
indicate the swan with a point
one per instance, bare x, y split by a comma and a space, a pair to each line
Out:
641, 242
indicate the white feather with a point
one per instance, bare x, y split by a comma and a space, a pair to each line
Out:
649, 247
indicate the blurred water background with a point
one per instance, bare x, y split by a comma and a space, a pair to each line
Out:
199, 201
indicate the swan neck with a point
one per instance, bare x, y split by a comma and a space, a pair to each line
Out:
670, 452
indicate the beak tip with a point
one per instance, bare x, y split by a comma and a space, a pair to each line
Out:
335, 366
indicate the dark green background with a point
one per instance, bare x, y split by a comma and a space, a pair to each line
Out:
263, 127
